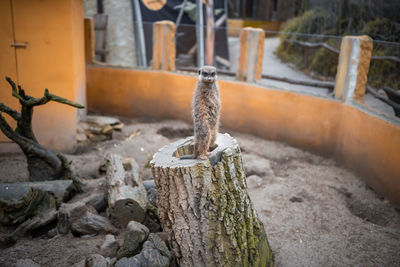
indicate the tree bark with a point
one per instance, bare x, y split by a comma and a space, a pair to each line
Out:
204, 207
127, 197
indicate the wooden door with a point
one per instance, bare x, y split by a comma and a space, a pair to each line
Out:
8, 66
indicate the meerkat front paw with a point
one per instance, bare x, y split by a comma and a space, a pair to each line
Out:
203, 157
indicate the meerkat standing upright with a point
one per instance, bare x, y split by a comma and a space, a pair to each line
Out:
206, 109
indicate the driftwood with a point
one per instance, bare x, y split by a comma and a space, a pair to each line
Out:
62, 190
32, 210
43, 164
32, 205
127, 199
204, 207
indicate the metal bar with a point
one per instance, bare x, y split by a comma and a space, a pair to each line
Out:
226, 7
318, 84
20, 45
178, 20
333, 50
390, 58
313, 45
200, 33
142, 61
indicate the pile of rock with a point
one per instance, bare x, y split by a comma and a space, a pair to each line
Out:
119, 206
97, 128
139, 248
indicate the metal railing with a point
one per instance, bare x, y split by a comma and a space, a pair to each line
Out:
335, 51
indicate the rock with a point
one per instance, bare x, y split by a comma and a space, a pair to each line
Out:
92, 224
82, 219
95, 185
254, 181
135, 235
52, 233
96, 260
68, 213
101, 120
151, 191
110, 247
257, 165
97, 200
128, 262
159, 244
26, 263
152, 196
82, 263
148, 184
81, 137
164, 237
152, 222
154, 253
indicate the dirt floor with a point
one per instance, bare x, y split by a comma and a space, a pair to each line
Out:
315, 212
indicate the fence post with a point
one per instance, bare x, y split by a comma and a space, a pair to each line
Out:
250, 54
352, 71
90, 40
164, 45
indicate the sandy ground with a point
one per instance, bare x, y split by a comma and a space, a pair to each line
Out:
314, 211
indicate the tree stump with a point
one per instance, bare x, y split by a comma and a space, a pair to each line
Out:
204, 207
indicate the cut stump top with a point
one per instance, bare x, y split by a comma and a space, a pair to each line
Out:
168, 156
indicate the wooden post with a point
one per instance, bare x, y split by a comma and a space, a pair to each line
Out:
204, 207
210, 33
251, 54
164, 45
90, 40
352, 71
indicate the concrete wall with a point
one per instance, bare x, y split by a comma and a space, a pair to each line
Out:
54, 59
120, 40
354, 137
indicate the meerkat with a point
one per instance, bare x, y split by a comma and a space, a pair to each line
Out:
206, 110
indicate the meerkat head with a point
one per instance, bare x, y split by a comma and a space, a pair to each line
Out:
208, 74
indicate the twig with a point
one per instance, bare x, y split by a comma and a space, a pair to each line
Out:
14, 114
32, 101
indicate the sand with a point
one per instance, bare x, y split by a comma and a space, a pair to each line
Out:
314, 211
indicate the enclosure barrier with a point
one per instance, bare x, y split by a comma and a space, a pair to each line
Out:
250, 54
346, 131
164, 45
89, 40
352, 71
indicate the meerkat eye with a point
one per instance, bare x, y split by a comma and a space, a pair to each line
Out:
199, 72
212, 74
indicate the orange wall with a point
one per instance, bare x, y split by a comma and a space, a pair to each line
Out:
359, 140
54, 59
